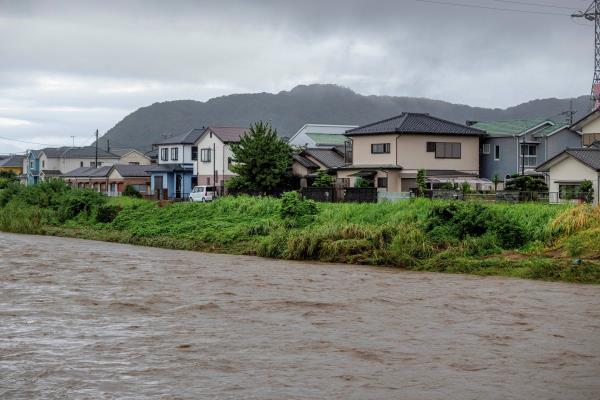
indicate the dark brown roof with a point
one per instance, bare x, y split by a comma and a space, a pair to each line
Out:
228, 134
415, 123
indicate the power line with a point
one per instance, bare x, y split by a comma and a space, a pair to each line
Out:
26, 142
447, 3
527, 3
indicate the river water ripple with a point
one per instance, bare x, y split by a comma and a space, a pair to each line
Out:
92, 320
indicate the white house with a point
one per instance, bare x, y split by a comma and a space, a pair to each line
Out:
312, 135
214, 155
566, 171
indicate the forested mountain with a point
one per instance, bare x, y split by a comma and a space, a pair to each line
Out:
289, 110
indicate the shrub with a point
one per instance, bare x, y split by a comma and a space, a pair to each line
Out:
575, 219
409, 246
106, 213
79, 201
293, 206
323, 179
130, 191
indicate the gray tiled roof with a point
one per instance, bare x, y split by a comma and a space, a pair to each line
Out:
589, 156
329, 157
51, 172
305, 162
228, 134
88, 172
132, 170
76, 152
184, 138
415, 123
12, 161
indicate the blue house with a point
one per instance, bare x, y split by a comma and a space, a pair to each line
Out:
32, 170
519, 146
173, 177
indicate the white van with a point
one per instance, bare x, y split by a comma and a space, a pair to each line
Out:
202, 193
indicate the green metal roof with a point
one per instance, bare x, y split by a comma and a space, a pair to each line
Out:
327, 138
518, 126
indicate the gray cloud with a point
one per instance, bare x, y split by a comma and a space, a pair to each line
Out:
70, 67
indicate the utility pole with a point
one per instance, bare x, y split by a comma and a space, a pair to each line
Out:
96, 165
592, 13
108, 145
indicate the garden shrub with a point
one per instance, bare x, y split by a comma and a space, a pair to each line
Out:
293, 206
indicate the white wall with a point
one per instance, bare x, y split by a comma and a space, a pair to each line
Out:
222, 154
184, 154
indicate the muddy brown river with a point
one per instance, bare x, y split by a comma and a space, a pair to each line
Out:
92, 320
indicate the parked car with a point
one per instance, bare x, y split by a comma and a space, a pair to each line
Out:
202, 193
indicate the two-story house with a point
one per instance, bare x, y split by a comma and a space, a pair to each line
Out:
389, 153
214, 155
53, 161
519, 146
173, 176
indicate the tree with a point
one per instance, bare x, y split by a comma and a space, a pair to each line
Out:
526, 183
496, 179
261, 159
7, 178
421, 182
587, 190
323, 179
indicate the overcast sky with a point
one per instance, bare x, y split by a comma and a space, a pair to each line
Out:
68, 68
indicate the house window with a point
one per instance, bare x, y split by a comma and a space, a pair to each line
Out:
528, 155
174, 153
93, 164
431, 147
496, 152
205, 155
164, 154
139, 188
569, 191
81, 164
134, 163
380, 148
382, 182
486, 148
447, 150
194, 153
43, 164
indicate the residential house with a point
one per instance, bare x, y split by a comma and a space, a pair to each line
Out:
313, 135
111, 180
214, 155
132, 157
389, 153
309, 161
65, 159
567, 170
173, 176
519, 146
589, 128
12, 163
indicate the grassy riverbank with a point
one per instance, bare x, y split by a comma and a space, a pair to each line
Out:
522, 240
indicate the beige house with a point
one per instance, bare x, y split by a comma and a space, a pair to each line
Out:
309, 161
132, 157
566, 171
589, 127
390, 153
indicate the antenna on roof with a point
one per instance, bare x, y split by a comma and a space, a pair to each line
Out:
96, 164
